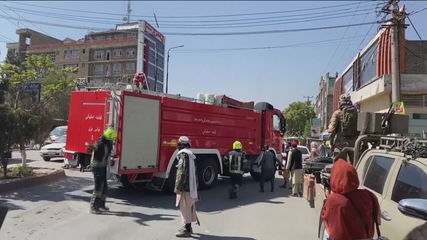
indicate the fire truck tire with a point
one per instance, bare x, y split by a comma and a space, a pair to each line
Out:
207, 172
125, 182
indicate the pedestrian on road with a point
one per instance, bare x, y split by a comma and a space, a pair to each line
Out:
100, 159
236, 161
285, 172
349, 212
294, 166
186, 187
268, 168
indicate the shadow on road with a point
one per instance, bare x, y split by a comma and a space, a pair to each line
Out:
213, 237
54, 192
212, 200
142, 218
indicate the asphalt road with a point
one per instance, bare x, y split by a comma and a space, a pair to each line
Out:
60, 211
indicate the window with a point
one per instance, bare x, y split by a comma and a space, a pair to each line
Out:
410, 183
365, 168
303, 150
159, 75
415, 100
117, 53
98, 69
368, 64
130, 67
419, 116
276, 123
117, 69
347, 81
152, 56
130, 53
108, 55
151, 71
377, 173
84, 51
71, 54
98, 54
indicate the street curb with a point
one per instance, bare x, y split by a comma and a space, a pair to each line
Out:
32, 181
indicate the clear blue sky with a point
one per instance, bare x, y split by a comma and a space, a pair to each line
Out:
279, 76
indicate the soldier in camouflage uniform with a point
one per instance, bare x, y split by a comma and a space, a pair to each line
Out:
186, 187
99, 162
343, 125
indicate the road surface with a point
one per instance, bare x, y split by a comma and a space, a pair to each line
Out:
60, 211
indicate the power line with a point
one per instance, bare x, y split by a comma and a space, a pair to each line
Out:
418, 11
263, 32
269, 23
181, 24
41, 30
55, 24
413, 26
338, 46
261, 47
194, 16
5, 37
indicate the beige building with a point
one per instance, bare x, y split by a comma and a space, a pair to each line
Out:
368, 79
103, 57
324, 99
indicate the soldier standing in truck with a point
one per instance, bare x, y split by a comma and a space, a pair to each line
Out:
343, 125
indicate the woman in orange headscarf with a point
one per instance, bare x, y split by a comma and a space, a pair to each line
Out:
349, 213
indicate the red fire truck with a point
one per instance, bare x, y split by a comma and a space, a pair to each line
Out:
149, 125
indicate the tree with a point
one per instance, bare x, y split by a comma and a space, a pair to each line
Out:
34, 118
298, 116
7, 134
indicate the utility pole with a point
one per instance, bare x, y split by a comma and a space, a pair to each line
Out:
308, 98
167, 65
397, 24
128, 11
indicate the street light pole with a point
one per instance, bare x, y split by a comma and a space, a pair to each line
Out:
167, 65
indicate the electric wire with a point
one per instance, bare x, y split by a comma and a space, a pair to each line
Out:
262, 47
413, 26
194, 16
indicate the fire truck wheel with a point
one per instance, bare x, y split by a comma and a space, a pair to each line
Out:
125, 182
207, 172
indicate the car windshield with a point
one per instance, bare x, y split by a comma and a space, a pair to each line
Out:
59, 131
61, 139
303, 150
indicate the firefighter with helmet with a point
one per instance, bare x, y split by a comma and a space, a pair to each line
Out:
101, 156
236, 163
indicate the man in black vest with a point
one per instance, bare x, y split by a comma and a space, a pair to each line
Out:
294, 165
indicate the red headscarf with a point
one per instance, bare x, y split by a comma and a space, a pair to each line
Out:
349, 212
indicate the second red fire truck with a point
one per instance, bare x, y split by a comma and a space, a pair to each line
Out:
149, 125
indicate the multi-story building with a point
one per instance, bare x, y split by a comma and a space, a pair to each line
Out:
103, 57
324, 99
367, 79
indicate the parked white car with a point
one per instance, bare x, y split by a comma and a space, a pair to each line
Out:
56, 133
305, 152
54, 150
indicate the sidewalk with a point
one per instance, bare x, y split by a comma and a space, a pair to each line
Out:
44, 172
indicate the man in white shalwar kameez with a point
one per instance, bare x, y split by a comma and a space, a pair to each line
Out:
186, 187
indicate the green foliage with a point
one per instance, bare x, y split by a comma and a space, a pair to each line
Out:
33, 120
298, 116
21, 171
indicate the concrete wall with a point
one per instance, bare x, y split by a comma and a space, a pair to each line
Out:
415, 57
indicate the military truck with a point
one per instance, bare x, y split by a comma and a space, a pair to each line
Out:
390, 165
